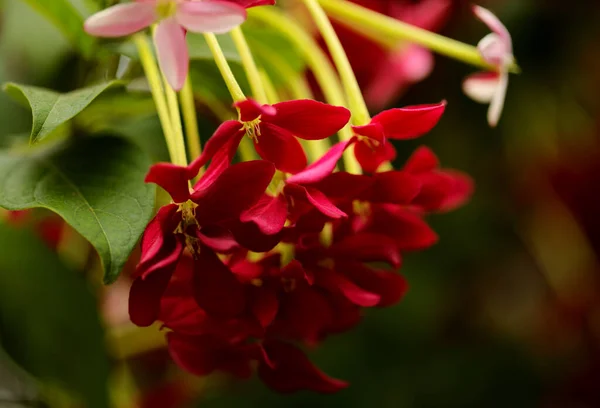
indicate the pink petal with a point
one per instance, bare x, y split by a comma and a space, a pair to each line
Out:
278, 146
292, 371
494, 24
120, 20
481, 86
411, 121
497, 103
310, 120
172, 52
323, 167
210, 16
494, 50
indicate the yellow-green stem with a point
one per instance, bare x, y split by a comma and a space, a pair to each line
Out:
360, 113
188, 107
318, 63
254, 78
234, 88
270, 92
179, 142
156, 87
382, 28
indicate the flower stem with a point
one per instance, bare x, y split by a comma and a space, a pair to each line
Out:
156, 87
318, 63
254, 78
382, 28
188, 108
175, 115
234, 88
360, 113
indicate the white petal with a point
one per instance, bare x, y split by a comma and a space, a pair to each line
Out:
120, 20
210, 16
481, 87
497, 103
172, 52
494, 24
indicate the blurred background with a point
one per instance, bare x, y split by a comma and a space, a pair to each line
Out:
503, 311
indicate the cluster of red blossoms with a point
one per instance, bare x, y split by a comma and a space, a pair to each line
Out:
261, 257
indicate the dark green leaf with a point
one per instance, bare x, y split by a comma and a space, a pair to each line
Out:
96, 185
49, 323
68, 20
50, 109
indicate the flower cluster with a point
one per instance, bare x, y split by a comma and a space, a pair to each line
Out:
263, 256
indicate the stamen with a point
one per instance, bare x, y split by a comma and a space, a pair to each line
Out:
166, 9
252, 129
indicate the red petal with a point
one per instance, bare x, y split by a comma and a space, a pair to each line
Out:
390, 286
322, 167
461, 191
367, 247
145, 295
408, 229
201, 355
292, 371
172, 178
422, 160
370, 158
251, 109
218, 239
265, 306
310, 120
253, 3
410, 122
371, 130
269, 214
344, 185
394, 187
249, 236
316, 198
216, 289
355, 293
160, 247
235, 190
280, 147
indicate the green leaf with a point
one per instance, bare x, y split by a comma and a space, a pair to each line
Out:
49, 323
50, 109
96, 185
68, 20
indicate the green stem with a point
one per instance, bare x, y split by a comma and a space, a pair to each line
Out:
318, 63
382, 28
234, 88
254, 78
188, 108
156, 87
360, 113
179, 141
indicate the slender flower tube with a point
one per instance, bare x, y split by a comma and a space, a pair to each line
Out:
173, 17
496, 49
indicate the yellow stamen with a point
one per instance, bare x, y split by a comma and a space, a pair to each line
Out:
166, 9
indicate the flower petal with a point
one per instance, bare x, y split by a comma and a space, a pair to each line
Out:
145, 295
278, 146
481, 86
407, 228
393, 187
172, 52
316, 198
120, 20
251, 109
269, 214
411, 121
216, 289
292, 371
493, 23
210, 16
235, 190
323, 167
310, 120
422, 160
371, 157
172, 178
497, 103
390, 286
253, 3
368, 247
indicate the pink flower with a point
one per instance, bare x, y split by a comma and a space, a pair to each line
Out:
174, 17
496, 49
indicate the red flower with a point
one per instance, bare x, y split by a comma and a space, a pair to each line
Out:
273, 127
401, 124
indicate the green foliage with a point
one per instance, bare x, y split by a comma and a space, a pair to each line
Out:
49, 323
68, 20
51, 109
96, 185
